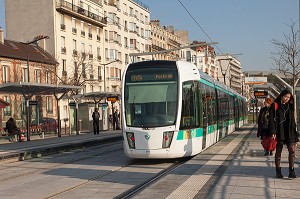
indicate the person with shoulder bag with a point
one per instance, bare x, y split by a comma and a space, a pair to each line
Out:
283, 127
263, 123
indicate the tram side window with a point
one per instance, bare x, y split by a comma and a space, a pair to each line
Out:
212, 106
204, 103
231, 108
223, 106
190, 106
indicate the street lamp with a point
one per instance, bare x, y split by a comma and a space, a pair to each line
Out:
104, 76
224, 71
243, 82
38, 38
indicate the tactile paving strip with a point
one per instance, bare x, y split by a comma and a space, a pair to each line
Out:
191, 187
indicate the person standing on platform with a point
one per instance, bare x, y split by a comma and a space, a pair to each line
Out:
283, 127
96, 116
263, 122
116, 120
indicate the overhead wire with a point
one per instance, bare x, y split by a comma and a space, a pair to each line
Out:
199, 26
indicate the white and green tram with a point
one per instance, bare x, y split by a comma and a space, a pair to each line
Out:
171, 109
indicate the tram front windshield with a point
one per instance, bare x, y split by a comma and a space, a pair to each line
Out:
150, 97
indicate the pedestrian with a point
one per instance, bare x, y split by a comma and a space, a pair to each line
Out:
96, 116
116, 120
13, 129
263, 122
282, 125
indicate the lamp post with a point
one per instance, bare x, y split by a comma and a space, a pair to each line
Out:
224, 71
40, 37
243, 81
104, 75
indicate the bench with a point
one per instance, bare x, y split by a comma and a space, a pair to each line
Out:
9, 136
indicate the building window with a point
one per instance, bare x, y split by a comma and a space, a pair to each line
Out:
113, 54
48, 77
74, 29
5, 74
64, 65
7, 110
24, 75
49, 104
37, 75
62, 22
63, 45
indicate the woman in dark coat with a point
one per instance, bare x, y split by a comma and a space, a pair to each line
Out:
283, 127
263, 122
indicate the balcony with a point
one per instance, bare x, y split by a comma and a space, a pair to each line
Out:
62, 26
78, 12
64, 73
74, 30
75, 52
63, 50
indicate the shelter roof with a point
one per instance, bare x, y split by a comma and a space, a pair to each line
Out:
29, 88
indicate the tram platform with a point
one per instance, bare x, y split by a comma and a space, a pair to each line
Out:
233, 168
38, 146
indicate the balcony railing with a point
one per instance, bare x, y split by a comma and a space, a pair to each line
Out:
67, 7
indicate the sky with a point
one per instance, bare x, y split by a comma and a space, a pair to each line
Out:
242, 28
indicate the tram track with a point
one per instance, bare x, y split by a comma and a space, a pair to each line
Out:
136, 189
37, 171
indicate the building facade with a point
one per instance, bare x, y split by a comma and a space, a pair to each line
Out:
15, 60
91, 39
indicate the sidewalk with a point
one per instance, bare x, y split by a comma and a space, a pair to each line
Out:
38, 147
252, 175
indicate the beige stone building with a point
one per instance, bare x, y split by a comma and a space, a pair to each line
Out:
164, 38
230, 72
86, 36
90, 39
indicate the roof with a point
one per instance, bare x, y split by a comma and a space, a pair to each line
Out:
17, 50
28, 88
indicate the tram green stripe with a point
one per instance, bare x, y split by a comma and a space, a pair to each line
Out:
190, 133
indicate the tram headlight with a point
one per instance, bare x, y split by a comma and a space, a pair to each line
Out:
167, 139
130, 139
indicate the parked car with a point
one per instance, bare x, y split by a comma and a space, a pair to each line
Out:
45, 124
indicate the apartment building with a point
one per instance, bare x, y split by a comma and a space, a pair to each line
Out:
91, 39
164, 38
230, 72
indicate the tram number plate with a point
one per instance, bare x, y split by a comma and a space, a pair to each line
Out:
147, 151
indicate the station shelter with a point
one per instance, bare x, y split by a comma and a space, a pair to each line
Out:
28, 90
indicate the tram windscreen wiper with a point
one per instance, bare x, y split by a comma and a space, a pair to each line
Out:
140, 118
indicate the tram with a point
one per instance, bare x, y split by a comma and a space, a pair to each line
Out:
171, 109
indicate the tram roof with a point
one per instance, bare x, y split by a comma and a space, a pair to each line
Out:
29, 88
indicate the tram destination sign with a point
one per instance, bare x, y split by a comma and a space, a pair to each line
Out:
260, 94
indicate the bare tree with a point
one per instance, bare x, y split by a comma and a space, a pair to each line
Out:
81, 72
287, 57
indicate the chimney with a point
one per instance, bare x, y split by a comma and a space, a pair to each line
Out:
1, 36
